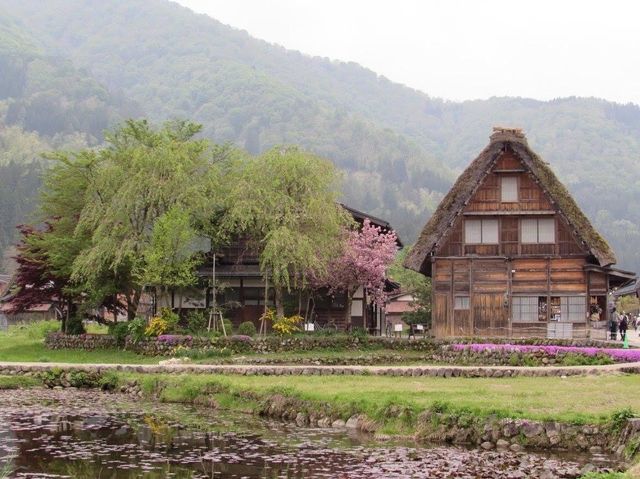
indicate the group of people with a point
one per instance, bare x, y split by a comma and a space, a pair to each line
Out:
622, 323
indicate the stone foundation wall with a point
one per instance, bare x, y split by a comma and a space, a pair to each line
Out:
261, 370
167, 344
79, 341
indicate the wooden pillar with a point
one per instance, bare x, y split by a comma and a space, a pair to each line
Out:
509, 301
434, 313
472, 320
451, 302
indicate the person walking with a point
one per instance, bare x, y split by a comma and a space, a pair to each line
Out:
613, 324
624, 324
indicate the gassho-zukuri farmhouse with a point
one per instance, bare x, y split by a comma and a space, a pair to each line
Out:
511, 254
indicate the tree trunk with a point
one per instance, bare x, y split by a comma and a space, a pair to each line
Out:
132, 305
347, 313
279, 303
65, 316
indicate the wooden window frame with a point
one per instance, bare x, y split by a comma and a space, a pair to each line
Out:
517, 181
461, 306
567, 315
537, 220
541, 314
481, 221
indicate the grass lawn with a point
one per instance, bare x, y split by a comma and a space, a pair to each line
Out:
575, 399
25, 343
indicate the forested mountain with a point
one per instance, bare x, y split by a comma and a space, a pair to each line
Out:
399, 148
45, 103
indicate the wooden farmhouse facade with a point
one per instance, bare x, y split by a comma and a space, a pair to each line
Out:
511, 254
241, 290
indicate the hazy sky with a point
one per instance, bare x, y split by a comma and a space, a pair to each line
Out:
458, 49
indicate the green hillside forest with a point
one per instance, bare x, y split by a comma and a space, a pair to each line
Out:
71, 68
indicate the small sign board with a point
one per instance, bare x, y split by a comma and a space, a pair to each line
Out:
397, 328
419, 327
309, 327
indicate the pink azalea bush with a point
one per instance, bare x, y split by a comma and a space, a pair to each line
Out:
620, 355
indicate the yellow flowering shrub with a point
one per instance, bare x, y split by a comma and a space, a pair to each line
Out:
156, 327
285, 325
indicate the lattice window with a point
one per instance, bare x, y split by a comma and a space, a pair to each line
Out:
528, 308
573, 309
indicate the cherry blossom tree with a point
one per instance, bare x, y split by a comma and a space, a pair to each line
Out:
366, 255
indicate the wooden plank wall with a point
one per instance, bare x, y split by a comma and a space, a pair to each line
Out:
490, 287
490, 315
509, 237
487, 197
489, 282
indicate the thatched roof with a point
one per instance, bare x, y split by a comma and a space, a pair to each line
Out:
454, 202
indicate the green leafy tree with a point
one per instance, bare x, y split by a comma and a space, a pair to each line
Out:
417, 285
285, 200
144, 175
170, 261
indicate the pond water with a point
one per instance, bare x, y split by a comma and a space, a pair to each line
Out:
86, 434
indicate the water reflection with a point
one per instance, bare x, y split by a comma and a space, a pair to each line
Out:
83, 434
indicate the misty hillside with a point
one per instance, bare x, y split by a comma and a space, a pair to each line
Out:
78, 66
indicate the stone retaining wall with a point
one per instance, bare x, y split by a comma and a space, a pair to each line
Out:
80, 341
255, 370
485, 432
167, 344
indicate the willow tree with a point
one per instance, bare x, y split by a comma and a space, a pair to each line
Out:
170, 262
142, 174
286, 201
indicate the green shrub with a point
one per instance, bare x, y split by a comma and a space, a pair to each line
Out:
359, 332
439, 406
619, 419
80, 379
135, 329
514, 359
74, 325
573, 359
197, 322
119, 331
247, 329
108, 381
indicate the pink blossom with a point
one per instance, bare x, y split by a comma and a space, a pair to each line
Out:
621, 355
364, 261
